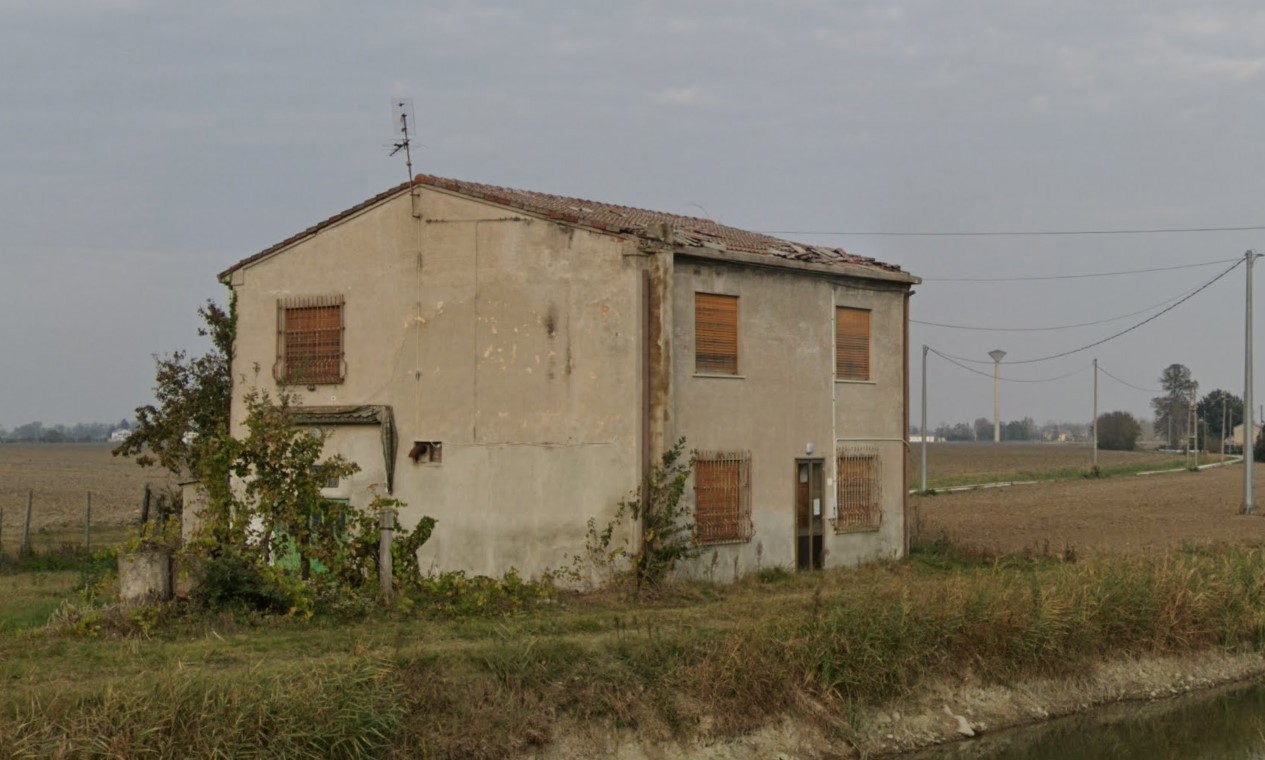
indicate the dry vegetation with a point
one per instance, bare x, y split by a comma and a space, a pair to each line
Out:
702, 661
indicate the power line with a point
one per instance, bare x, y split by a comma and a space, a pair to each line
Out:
1056, 327
1006, 379
1077, 276
1131, 385
1129, 329
1019, 233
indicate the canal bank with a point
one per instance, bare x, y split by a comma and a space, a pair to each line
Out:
938, 716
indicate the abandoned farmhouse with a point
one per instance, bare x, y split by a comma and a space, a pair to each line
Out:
512, 363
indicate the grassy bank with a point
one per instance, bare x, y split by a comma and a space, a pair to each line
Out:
700, 660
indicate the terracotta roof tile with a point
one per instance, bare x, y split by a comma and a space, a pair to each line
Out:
687, 231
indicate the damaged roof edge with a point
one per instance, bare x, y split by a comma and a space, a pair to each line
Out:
692, 236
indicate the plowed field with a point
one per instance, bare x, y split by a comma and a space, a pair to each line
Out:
1124, 513
60, 477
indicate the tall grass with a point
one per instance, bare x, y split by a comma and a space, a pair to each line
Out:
809, 647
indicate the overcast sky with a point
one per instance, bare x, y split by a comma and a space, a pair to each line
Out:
146, 146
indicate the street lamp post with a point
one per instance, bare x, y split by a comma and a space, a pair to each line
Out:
997, 355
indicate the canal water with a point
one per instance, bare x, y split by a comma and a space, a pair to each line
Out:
1227, 724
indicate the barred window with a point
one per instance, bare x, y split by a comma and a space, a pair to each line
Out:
859, 491
722, 497
715, 333
852, 343
310, 340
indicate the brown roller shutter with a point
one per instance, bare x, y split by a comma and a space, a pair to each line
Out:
715, 333
852, 343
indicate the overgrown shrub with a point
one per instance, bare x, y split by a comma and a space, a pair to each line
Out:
232, 581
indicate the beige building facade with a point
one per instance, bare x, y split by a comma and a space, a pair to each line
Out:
511, 363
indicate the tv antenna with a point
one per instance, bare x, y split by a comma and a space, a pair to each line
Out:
402, 118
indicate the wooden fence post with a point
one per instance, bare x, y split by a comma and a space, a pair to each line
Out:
25, 549
145, 506
87, 524
385, 571
1, 531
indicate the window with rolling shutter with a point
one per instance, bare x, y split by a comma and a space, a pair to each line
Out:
852, 343
722, 497
310, 340
715, 334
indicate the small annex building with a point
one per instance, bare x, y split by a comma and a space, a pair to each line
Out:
511, 362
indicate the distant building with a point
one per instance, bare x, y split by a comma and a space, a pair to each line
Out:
1236, 438
118, 436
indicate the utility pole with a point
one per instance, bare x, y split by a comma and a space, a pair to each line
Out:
1095, 416
923, 482
1249, 424
1224, 407
997, 356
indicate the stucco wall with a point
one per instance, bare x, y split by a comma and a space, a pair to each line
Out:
786, 397
514, 341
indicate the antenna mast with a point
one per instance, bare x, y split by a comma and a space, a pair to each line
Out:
402, 113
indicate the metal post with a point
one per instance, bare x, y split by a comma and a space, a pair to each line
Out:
385, 571
997, 356
25, 549
1095, 416
1249, 425
87, 524
924, 420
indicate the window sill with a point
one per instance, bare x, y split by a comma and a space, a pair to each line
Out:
720, 375
845, 381
857, 529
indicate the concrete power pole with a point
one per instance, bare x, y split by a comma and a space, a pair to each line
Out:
1249, 424
923, 481
997, 356
1095, 416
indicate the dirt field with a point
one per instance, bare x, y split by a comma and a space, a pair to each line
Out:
955, 463
1125, 513
61, 475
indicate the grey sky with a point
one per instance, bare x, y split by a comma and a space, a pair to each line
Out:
146, 146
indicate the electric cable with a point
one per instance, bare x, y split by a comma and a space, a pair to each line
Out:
1113, 336
1079, 276
1019, 233
1008, 379
1131, 385
1057, 327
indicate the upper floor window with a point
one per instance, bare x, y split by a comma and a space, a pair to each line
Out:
852, 343
715, 334
310, 340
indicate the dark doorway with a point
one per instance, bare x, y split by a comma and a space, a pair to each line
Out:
810, 504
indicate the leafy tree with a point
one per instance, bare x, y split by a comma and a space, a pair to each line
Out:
1211, 407
983, 429
1118, 431
194, 395
1172, 410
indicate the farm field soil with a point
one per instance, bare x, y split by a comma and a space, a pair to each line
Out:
61, 475
1126, 513
961, 463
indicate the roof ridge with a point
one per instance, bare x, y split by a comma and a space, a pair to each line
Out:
691, 231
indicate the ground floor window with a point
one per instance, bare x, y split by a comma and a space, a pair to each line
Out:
722, 497
859, 492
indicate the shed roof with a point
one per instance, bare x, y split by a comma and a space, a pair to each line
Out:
686, 231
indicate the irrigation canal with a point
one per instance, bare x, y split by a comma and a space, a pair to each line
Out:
1221, 725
